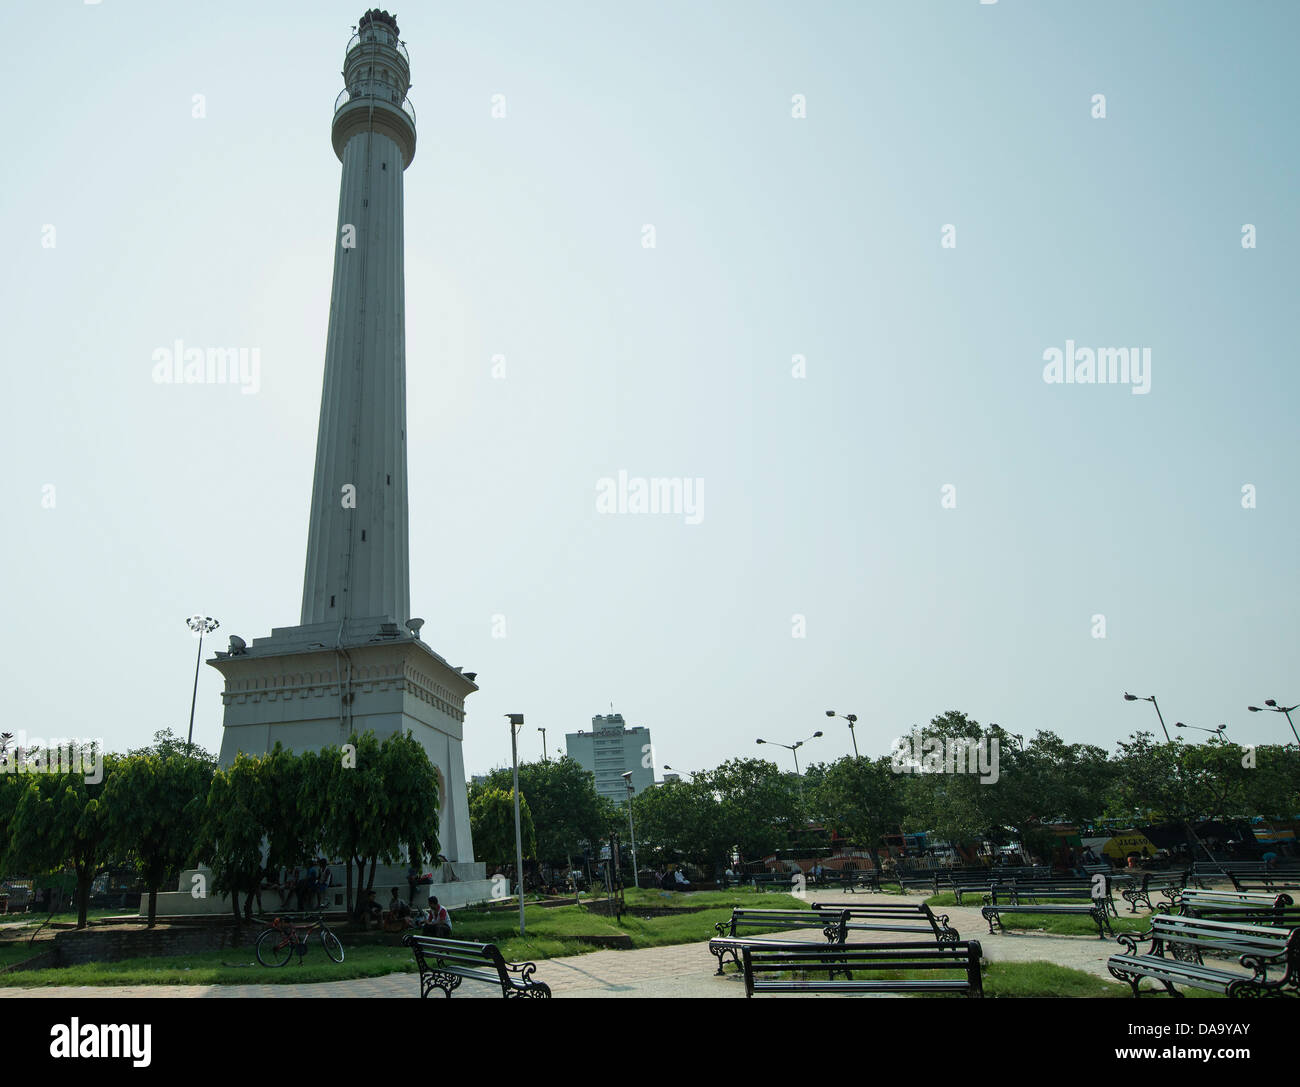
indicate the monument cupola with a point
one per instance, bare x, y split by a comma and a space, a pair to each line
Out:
376, 78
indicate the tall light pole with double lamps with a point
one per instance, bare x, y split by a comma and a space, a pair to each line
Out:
516, 723
631, 828
1212, 731
200, 625
1272, 705
543, 732
1152, 699
794, 750
852, 719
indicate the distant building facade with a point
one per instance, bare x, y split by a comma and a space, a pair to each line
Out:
609, 751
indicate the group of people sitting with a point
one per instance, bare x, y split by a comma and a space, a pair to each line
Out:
673, 879
434, 921
309, 886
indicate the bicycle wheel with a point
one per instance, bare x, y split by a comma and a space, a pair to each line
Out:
333, 946
274, 948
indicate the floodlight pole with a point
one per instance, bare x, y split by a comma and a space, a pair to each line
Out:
516, 723
200, 624
636, 876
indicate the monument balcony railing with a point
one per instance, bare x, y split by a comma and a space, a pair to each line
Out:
372, 90
378, 38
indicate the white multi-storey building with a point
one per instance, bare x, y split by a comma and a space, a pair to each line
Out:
609, 751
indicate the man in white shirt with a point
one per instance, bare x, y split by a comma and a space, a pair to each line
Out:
440, 920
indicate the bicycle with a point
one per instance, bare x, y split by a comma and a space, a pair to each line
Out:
278, 943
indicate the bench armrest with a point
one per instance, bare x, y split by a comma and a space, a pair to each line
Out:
525, 970
1130, 940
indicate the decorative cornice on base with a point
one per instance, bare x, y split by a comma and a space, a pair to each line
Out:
407, 665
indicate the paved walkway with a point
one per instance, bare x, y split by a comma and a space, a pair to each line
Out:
680, 970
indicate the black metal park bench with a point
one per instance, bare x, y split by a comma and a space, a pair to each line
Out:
1019, 894
850, 879
832, 923
1167, 884
786, 882
1094, 908
1269, 957
444, 964
902, 917
793, 968
1266, 881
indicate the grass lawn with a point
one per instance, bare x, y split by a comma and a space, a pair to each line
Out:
28, 921
550, 932
16, 952
232, 966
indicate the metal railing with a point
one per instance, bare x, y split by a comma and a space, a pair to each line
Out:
374, 91
378, 39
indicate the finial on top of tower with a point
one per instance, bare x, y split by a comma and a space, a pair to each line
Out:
374, 15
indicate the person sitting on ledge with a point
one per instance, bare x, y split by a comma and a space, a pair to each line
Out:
683, 884
440, 920
324, 884
368, 910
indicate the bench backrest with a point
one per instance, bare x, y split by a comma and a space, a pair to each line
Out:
1228, 937
964, 956
1264, 900
819, 919
1083, 891
1266, 882
457, 956
880, 911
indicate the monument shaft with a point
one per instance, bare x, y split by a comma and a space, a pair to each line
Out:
358, 545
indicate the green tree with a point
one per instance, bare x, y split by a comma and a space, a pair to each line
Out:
1147, 781
411, 800
231, 828
292, 835
492, 822
859, 799
373, 803
154, 807
1046, 781
1272, 788
60, 820
345, 801
564, 801
757, 808
954, 806
679, 820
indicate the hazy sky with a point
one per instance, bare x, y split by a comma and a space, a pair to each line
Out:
775, 236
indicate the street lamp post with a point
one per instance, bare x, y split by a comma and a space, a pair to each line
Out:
627, 780
794, 750
1152, 699
516, 723
201, 625
543, 732
1272, 705
1212, 731
852, 719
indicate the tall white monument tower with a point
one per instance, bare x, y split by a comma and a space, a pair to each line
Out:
356, 660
